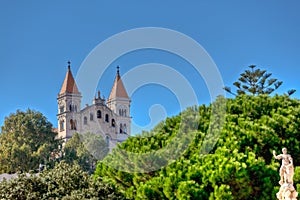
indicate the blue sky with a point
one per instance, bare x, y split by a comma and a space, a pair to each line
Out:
37, 38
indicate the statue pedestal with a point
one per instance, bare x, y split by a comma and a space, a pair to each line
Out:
287, 192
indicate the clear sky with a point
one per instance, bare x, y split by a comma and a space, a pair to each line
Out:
37, 38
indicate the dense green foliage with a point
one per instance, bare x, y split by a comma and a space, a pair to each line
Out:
239, 166
26, 140
63, 182
85, 150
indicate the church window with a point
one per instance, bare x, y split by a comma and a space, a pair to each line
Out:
61, 109
72, 108
113, 123
61, 124
106, 118
122, 112
121, 128
85, 120
91, 117
124, 128
107, 140
99, 114
73, 124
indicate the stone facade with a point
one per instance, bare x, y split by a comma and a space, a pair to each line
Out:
111, 119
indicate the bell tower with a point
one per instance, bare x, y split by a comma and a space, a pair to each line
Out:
68, 100
119, 103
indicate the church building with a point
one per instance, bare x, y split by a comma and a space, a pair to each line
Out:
109, 118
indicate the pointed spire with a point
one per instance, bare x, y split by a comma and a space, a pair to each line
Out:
118, 89
69, 85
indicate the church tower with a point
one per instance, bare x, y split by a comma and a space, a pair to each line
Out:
119, 102
68, 100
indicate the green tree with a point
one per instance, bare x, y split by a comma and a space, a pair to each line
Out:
256, 81
85, 150
26, 140
62, 182
239, 166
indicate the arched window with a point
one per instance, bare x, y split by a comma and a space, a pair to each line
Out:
91, 117
122, 112
72, 107
124, 128
106, 118
61, 109
121, 128
99, 114
71, 124
85, 120
62, 125
75, 125
113, 123
107, 140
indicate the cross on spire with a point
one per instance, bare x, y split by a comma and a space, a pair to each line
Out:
118, 69
69, 64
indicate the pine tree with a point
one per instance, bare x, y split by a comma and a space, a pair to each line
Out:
256, 81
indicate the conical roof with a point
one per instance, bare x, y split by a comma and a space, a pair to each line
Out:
118, 89
69, 85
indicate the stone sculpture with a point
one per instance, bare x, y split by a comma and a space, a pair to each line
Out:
286, 172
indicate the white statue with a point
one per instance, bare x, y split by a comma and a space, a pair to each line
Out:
286, 172
286, 165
